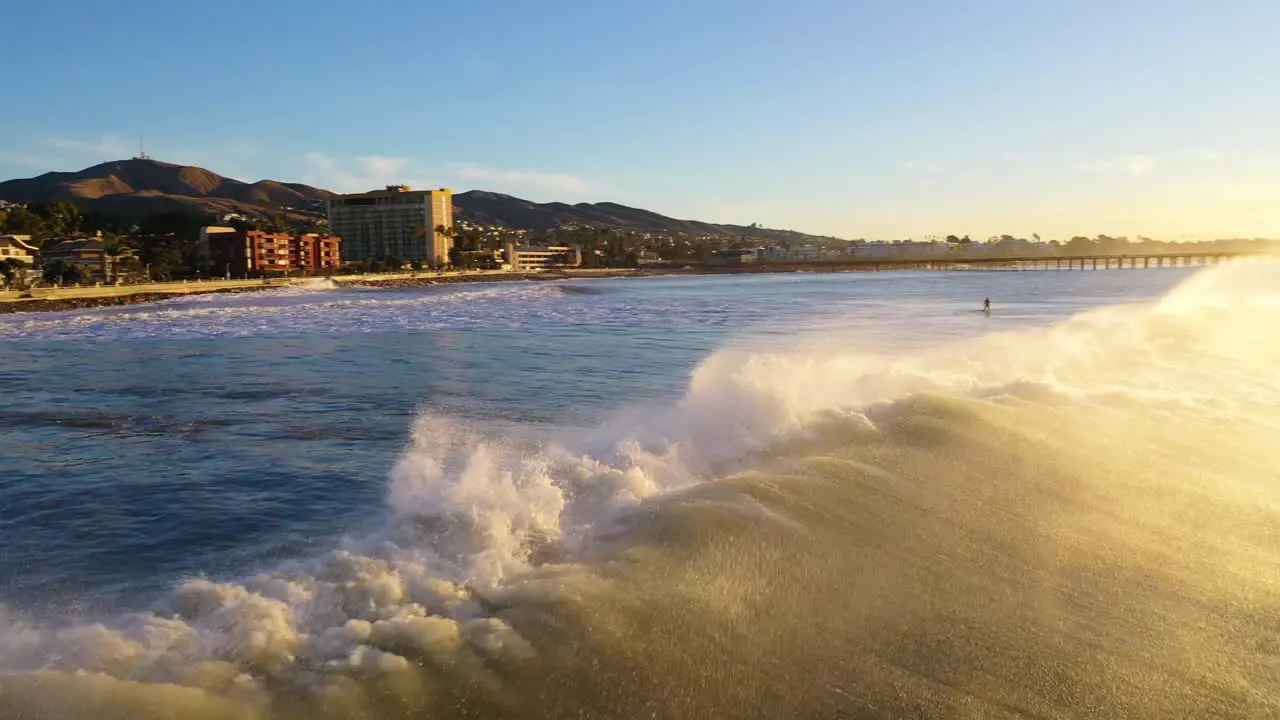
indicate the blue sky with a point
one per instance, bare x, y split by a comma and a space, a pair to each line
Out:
883, 119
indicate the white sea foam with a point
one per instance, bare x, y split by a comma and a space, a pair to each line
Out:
293, 310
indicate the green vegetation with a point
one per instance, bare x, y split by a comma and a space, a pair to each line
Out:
60, 271
41, 222
9, 269
169, 262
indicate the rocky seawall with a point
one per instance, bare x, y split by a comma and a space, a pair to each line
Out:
83, 303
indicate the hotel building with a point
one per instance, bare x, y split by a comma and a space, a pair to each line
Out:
396, 222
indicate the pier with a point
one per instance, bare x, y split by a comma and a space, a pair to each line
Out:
1038, 263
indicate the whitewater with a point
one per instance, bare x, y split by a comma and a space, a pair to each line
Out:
750, 497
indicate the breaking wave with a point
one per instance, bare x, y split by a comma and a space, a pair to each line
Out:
1067, 520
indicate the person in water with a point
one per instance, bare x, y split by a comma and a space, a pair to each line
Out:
986, 305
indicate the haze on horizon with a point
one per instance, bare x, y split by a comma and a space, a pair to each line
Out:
866, 119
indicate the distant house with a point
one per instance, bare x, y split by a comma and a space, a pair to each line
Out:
733, 257
648, 257
18, 249
897, 250
525, 259
90, 254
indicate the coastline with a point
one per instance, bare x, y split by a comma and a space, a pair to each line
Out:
90, 298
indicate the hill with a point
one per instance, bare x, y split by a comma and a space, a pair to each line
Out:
136, 188
139, 187
490, 208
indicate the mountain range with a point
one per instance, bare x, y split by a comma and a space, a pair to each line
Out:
139, 187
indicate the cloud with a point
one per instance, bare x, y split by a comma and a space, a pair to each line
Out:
362, 174
921, 166
554, 182
233, 158
236, 158
45, 153
1136, 164
368, 172
28, 161
1209, 155
107, 147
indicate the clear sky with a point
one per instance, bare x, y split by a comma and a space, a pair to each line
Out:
881, 119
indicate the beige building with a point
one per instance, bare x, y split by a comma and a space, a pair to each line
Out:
524, 259
19, 248
396, 222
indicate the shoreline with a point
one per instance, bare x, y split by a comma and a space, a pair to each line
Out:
86, 299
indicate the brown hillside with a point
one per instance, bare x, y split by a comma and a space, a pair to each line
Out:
99, 187
200, 180
139, 187
270, 192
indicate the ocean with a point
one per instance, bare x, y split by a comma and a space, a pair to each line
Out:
845, 495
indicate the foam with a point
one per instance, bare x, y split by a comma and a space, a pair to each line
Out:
319, 308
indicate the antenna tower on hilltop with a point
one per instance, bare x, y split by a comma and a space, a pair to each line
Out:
142, 152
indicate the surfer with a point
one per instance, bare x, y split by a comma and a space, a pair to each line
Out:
986, 305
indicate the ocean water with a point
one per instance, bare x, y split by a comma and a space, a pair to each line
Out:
849, 495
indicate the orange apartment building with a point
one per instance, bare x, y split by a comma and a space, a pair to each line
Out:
227, 251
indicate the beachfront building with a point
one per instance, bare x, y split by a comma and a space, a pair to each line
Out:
320, 252
18, 248
531, 259
413, 225
90, 254
21, 254
225, 251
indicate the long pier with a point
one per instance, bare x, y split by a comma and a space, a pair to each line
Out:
1041, 263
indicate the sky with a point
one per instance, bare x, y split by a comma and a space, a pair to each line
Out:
881, 119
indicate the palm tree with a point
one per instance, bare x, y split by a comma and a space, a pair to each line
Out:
437, 261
